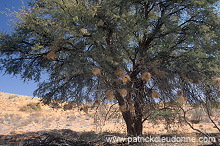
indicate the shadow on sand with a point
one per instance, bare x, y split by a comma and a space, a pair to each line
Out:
66, 137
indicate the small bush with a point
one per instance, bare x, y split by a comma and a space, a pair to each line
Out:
12, 119
196, 115
13, 96
2, 120
71, 117
31, 107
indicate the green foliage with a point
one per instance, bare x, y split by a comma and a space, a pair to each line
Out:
161, 114
69, 38
167, 116
175, 41
31, 107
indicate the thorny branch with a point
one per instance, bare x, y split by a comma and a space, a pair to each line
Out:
191, 126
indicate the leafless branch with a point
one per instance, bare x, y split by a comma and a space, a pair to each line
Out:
191, 126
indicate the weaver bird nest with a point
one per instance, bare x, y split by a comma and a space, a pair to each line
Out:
182, 98
146, 76
123, 92
155, 94
119, 73
125, 79
179, 93
110, 95
51, 55
96, 71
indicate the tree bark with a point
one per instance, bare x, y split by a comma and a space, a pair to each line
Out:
129, 123
138, 126
133, 120
133, 123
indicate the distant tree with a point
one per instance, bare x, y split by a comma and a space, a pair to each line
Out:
134, 52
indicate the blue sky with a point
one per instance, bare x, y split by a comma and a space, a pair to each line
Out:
8, 83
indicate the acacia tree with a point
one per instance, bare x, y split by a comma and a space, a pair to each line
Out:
134, 52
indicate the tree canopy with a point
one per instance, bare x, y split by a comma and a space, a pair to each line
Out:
129, 50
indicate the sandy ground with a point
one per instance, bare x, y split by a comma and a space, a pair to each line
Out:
12, 120
15, 121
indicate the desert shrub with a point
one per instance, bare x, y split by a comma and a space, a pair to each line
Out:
215, 105
31, 107
196, 115
23, 122
12, 119
8, 116
162, 114
2, 120
205, 119
12, 96
55, 105
168, 116
35, 117
71, 117
67, 107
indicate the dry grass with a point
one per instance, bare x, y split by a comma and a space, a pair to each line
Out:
31, 107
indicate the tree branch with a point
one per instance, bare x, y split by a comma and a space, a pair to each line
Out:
191, 126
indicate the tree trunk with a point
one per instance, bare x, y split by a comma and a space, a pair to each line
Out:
129, 123
138, 126
132, 119
133, 124
138, 116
